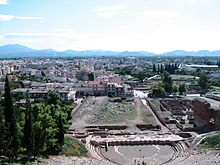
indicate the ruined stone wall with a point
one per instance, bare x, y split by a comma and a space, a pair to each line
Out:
203, 113
217, 118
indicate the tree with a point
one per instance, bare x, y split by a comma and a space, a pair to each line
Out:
218, 63
158, 69
54, 98
60, 131
10, 122
154, 68
28, 137
158, 91
4, 140
161, 68
43, 74
203, 80
167, 82
175, 89
8, 109
44, 129
182, 89
141, 76
91, 76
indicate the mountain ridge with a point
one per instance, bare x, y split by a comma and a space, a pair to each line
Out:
17, 51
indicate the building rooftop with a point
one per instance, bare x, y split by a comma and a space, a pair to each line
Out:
202, 66
94, 82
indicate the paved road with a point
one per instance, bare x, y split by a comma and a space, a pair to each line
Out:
163, 128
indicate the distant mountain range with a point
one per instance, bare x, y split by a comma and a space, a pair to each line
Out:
20, 51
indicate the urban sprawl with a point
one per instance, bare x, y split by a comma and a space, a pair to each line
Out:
125, 110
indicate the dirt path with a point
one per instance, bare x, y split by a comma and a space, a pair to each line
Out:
138, 109
163, 128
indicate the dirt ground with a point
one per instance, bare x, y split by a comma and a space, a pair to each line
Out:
99, 111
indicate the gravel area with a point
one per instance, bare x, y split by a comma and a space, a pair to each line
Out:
198, 157
63, 160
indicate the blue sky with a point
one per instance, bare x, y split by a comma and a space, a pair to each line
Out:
150, 25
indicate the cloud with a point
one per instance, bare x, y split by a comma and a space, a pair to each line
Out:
165, 37
110, 11
160, 14
56, 34
191, 2
3, 2
60, 39
1, 37
4, 17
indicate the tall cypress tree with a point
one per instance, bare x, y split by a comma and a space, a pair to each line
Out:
28, 136
161, 68
8, 109
4, 141
10, 122
60, 130
154, 68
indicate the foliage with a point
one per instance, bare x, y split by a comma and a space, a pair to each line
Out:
34, 129
203, 80
175, 88
154, 68
212, 142
4, 140
167, 82
19, 96
15, 84
170, 68
44, 129
28, 134
53, 98
73, 147
8, 109
158, 91
10, 123
218, 63
28, 77
182, 89
124, 71
140, 75
91, 76
61, 131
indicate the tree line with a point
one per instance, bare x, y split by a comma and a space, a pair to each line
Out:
33, 129
160, 68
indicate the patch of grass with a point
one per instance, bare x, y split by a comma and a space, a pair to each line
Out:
148, 118
156, 104
212, 142
73, 147
182, 77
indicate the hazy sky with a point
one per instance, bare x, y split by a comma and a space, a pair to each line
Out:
150, 25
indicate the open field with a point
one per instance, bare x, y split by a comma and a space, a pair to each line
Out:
182, 77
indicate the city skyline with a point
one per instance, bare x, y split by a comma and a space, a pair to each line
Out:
122, 25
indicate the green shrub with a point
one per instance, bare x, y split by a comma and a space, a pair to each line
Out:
73, 147
212, 142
